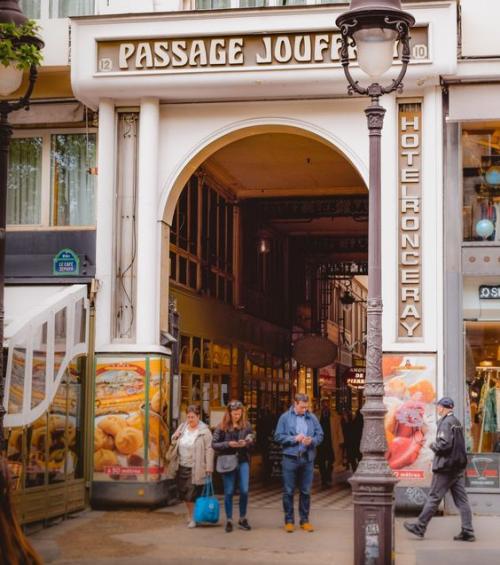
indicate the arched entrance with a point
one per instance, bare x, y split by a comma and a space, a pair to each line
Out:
265, 242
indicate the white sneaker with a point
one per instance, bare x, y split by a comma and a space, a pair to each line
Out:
192, 524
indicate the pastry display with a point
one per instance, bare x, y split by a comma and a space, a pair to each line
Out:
128, 418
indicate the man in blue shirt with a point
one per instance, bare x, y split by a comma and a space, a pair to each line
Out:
299, 433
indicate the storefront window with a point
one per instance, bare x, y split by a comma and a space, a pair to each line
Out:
481, 183
31, 8
37, 453
483, 384
482, 414
212, 4
68, 8
73, 187
39, 366
24, 185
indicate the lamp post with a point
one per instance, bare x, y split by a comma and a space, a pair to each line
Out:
10, 81
374, 27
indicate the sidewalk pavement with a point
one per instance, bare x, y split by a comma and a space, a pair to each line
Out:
161, 536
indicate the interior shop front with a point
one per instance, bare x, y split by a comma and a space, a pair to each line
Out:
480, 161
267, 273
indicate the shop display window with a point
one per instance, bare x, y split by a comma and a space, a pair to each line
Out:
80, 322
18, 371
15, 460
481, 182
482, 362
39, 366
37, 453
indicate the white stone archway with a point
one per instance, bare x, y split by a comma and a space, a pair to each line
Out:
235, 131
209, 145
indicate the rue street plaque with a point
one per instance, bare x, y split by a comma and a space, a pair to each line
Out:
66, 263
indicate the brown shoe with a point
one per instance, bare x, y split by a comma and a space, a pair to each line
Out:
289, 528
307, 527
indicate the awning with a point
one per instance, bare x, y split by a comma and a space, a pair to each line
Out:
46, 330
471, 102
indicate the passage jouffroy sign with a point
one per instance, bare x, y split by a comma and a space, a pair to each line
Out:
410, 222
191, 54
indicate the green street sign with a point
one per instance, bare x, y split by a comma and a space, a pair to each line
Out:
66, 263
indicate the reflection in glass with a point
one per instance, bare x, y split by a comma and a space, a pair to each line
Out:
37, 453
60, 340
39, 368
24, 185
80, 321
16, 390
482, 374
481, 182
56, 433
73, 187
15, 455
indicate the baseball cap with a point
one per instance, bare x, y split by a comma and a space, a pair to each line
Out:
446, 402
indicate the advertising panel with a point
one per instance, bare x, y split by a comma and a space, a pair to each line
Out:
410, 422
131, 404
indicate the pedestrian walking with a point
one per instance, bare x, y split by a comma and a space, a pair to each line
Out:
299, 433
350, 446
191, 459
232, 442
326, 456
448, 467
15, 549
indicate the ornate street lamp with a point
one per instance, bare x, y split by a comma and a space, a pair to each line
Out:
10, 80
373, 28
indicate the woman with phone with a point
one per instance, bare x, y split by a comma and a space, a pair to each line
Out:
232, 441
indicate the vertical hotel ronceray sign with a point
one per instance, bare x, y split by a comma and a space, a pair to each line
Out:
410, 221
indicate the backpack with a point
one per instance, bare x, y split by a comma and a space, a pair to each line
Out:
457, 459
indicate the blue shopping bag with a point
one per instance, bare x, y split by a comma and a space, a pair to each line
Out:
206, 507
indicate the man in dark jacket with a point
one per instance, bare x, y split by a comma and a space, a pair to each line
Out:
299, 433
326, 456
448, 467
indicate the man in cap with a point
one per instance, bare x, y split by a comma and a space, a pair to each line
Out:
448, 467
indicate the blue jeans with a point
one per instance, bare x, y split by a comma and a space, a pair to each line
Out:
241, 473
297, 473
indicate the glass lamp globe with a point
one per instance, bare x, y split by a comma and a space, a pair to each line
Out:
10, 79
485, 228
375, 50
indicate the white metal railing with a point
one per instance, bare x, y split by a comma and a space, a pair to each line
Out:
41, 344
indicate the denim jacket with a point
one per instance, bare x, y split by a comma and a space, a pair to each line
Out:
286, 430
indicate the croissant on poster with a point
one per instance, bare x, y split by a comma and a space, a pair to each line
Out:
104, 458
112, 425
128, 440
102, 440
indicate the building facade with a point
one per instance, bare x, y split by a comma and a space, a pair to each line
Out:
213, 179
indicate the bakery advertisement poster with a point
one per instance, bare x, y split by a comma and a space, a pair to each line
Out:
131, 404
410, 422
